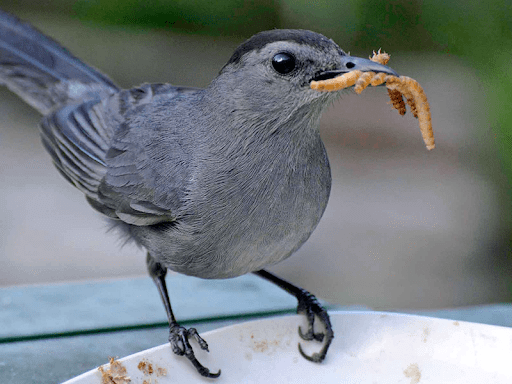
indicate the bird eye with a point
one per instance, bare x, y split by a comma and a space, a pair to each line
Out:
283, 63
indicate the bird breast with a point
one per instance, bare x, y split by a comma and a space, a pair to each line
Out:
254, 209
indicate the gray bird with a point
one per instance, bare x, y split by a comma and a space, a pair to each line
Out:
213, 183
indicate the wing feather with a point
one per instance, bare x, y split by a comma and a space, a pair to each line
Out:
110, 153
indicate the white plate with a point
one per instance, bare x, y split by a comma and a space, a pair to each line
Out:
369, 347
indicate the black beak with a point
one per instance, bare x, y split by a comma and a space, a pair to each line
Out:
351, 63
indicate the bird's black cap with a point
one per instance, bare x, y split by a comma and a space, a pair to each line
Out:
299, 36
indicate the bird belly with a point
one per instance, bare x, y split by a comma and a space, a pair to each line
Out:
249, 246
252, 232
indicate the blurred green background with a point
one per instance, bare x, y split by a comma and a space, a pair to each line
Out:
404, 227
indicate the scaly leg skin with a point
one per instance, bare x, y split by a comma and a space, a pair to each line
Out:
308, 305
178, 336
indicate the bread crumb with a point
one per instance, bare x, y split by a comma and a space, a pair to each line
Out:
161, 371
115, 374
148, 369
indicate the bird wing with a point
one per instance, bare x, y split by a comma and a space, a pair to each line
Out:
128, 163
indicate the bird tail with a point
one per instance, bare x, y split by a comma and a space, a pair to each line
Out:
43, 73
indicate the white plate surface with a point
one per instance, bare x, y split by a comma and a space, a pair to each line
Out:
369, 347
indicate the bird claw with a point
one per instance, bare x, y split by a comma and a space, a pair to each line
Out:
309, 305
310, 335
179, 339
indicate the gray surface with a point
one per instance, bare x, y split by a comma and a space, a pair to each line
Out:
46, 309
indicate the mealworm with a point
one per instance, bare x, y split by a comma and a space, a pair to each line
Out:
413, 91
380, 57
397, 101
398, 87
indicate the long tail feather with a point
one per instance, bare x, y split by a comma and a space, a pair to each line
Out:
42, 72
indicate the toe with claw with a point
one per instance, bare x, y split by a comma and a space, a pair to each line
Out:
179, 340
309, 306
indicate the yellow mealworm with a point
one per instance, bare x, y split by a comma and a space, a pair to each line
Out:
363, 81
398, 87
397, 101
412, 88
344, 81
380, 57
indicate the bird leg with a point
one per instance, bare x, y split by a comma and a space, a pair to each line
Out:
178, 336
309, 306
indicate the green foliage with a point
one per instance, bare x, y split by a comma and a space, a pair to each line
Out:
396, 25
223, 17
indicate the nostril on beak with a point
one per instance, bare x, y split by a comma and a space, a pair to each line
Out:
350, 65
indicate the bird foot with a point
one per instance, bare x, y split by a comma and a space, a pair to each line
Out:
179, 340
309, 305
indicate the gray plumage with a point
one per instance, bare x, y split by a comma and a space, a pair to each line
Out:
213, 182
213, 195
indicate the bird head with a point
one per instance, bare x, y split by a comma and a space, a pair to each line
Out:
272, 70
